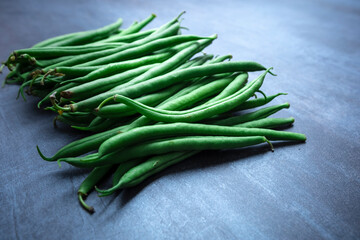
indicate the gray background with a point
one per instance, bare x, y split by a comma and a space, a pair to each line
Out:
301, 191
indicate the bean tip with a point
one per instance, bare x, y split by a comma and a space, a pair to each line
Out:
42, 155
88, 208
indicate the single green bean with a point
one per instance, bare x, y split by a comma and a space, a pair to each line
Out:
126, 38
261, 113
90, 36
89, 183
141, 171
136, 28
165, 146
268, 123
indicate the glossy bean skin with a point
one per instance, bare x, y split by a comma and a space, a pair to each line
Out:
90, 36
51, 41
142, 50
207, 111
259, 114
86, 58
91, 143
137, 27
121, 110
154, 70
139, 172
176, 61
101, 85
165, 146
89, 183
268, 123
52, 52
141, 134
126, 38
167, 80
257, 102
114, 68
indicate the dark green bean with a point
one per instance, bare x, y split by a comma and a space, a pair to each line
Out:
89, 183
90, 36
166, 80
267, 123
86, 58
114, 68
91, 143
141, 171
121, 110
142, 134
126, 38
165, 146
261, 113
137, 27
98, 86
52, 52
207, 111
143, 49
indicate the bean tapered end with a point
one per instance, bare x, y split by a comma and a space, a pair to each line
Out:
88, 208
66, 94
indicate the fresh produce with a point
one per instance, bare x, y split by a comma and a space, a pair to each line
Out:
150, 98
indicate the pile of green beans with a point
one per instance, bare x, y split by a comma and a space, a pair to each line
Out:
150, 99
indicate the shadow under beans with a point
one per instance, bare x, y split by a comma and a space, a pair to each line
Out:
203, 160
70, 172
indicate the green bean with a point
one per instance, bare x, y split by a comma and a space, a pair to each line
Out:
141, 171
142, 134
166, 80
221, 106
88, 184
257, 102
238, 83
197, 82
165, 146
91, 143
121, 110
57, 92
144, 49
155, 164
79, 118
136, 28
166, 66
122, 169
86, 58
126, 38
114, 68
108, 69
50, 41
72, 72
267, 123
90, 36
39, 93
195, 93
261, 113
105, 125
50, 62
51, 52
103, 84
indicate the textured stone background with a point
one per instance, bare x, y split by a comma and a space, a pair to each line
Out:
301, 191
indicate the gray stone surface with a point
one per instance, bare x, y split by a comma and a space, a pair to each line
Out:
301, 191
